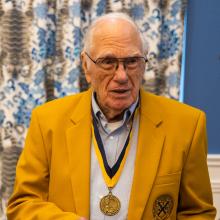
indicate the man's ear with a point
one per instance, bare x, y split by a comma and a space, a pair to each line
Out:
86, 71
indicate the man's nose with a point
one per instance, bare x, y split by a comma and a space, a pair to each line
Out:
121, 72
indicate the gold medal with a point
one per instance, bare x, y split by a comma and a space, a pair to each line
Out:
110, 204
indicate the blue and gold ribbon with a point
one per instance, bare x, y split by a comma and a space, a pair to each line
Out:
110, 174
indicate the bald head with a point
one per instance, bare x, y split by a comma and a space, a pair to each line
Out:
119, 23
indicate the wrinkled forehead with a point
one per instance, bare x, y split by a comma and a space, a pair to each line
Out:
115, 33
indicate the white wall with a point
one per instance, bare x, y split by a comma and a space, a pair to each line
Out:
214, 172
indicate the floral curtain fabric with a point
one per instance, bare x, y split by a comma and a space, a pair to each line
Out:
40, 44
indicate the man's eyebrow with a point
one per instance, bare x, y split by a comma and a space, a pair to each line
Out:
107, 55
110, 55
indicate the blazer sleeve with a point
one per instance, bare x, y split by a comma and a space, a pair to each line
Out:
29, 199
195, 199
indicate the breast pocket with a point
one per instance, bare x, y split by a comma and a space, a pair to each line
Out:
163, 200
168, 179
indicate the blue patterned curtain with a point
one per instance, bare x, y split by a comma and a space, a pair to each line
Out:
40, 44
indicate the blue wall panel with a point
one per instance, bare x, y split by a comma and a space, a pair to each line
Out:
202, 64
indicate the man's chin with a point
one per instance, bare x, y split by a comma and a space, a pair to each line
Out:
120, 106
114, 110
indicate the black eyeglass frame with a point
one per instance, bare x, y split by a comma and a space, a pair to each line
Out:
123, 60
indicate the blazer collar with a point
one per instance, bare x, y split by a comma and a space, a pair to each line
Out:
150, 108
83, 107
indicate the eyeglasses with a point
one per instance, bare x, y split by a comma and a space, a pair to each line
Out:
112, 63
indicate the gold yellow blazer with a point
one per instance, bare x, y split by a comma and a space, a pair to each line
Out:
53, 172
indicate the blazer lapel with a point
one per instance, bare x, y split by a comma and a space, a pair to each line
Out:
78, 144
150, 145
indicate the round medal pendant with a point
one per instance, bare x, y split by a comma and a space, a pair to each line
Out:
110, 205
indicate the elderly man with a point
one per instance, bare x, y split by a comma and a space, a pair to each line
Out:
115, 151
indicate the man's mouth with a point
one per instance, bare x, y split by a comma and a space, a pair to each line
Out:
120, 90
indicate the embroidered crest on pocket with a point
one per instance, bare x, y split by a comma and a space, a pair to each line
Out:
162, 207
